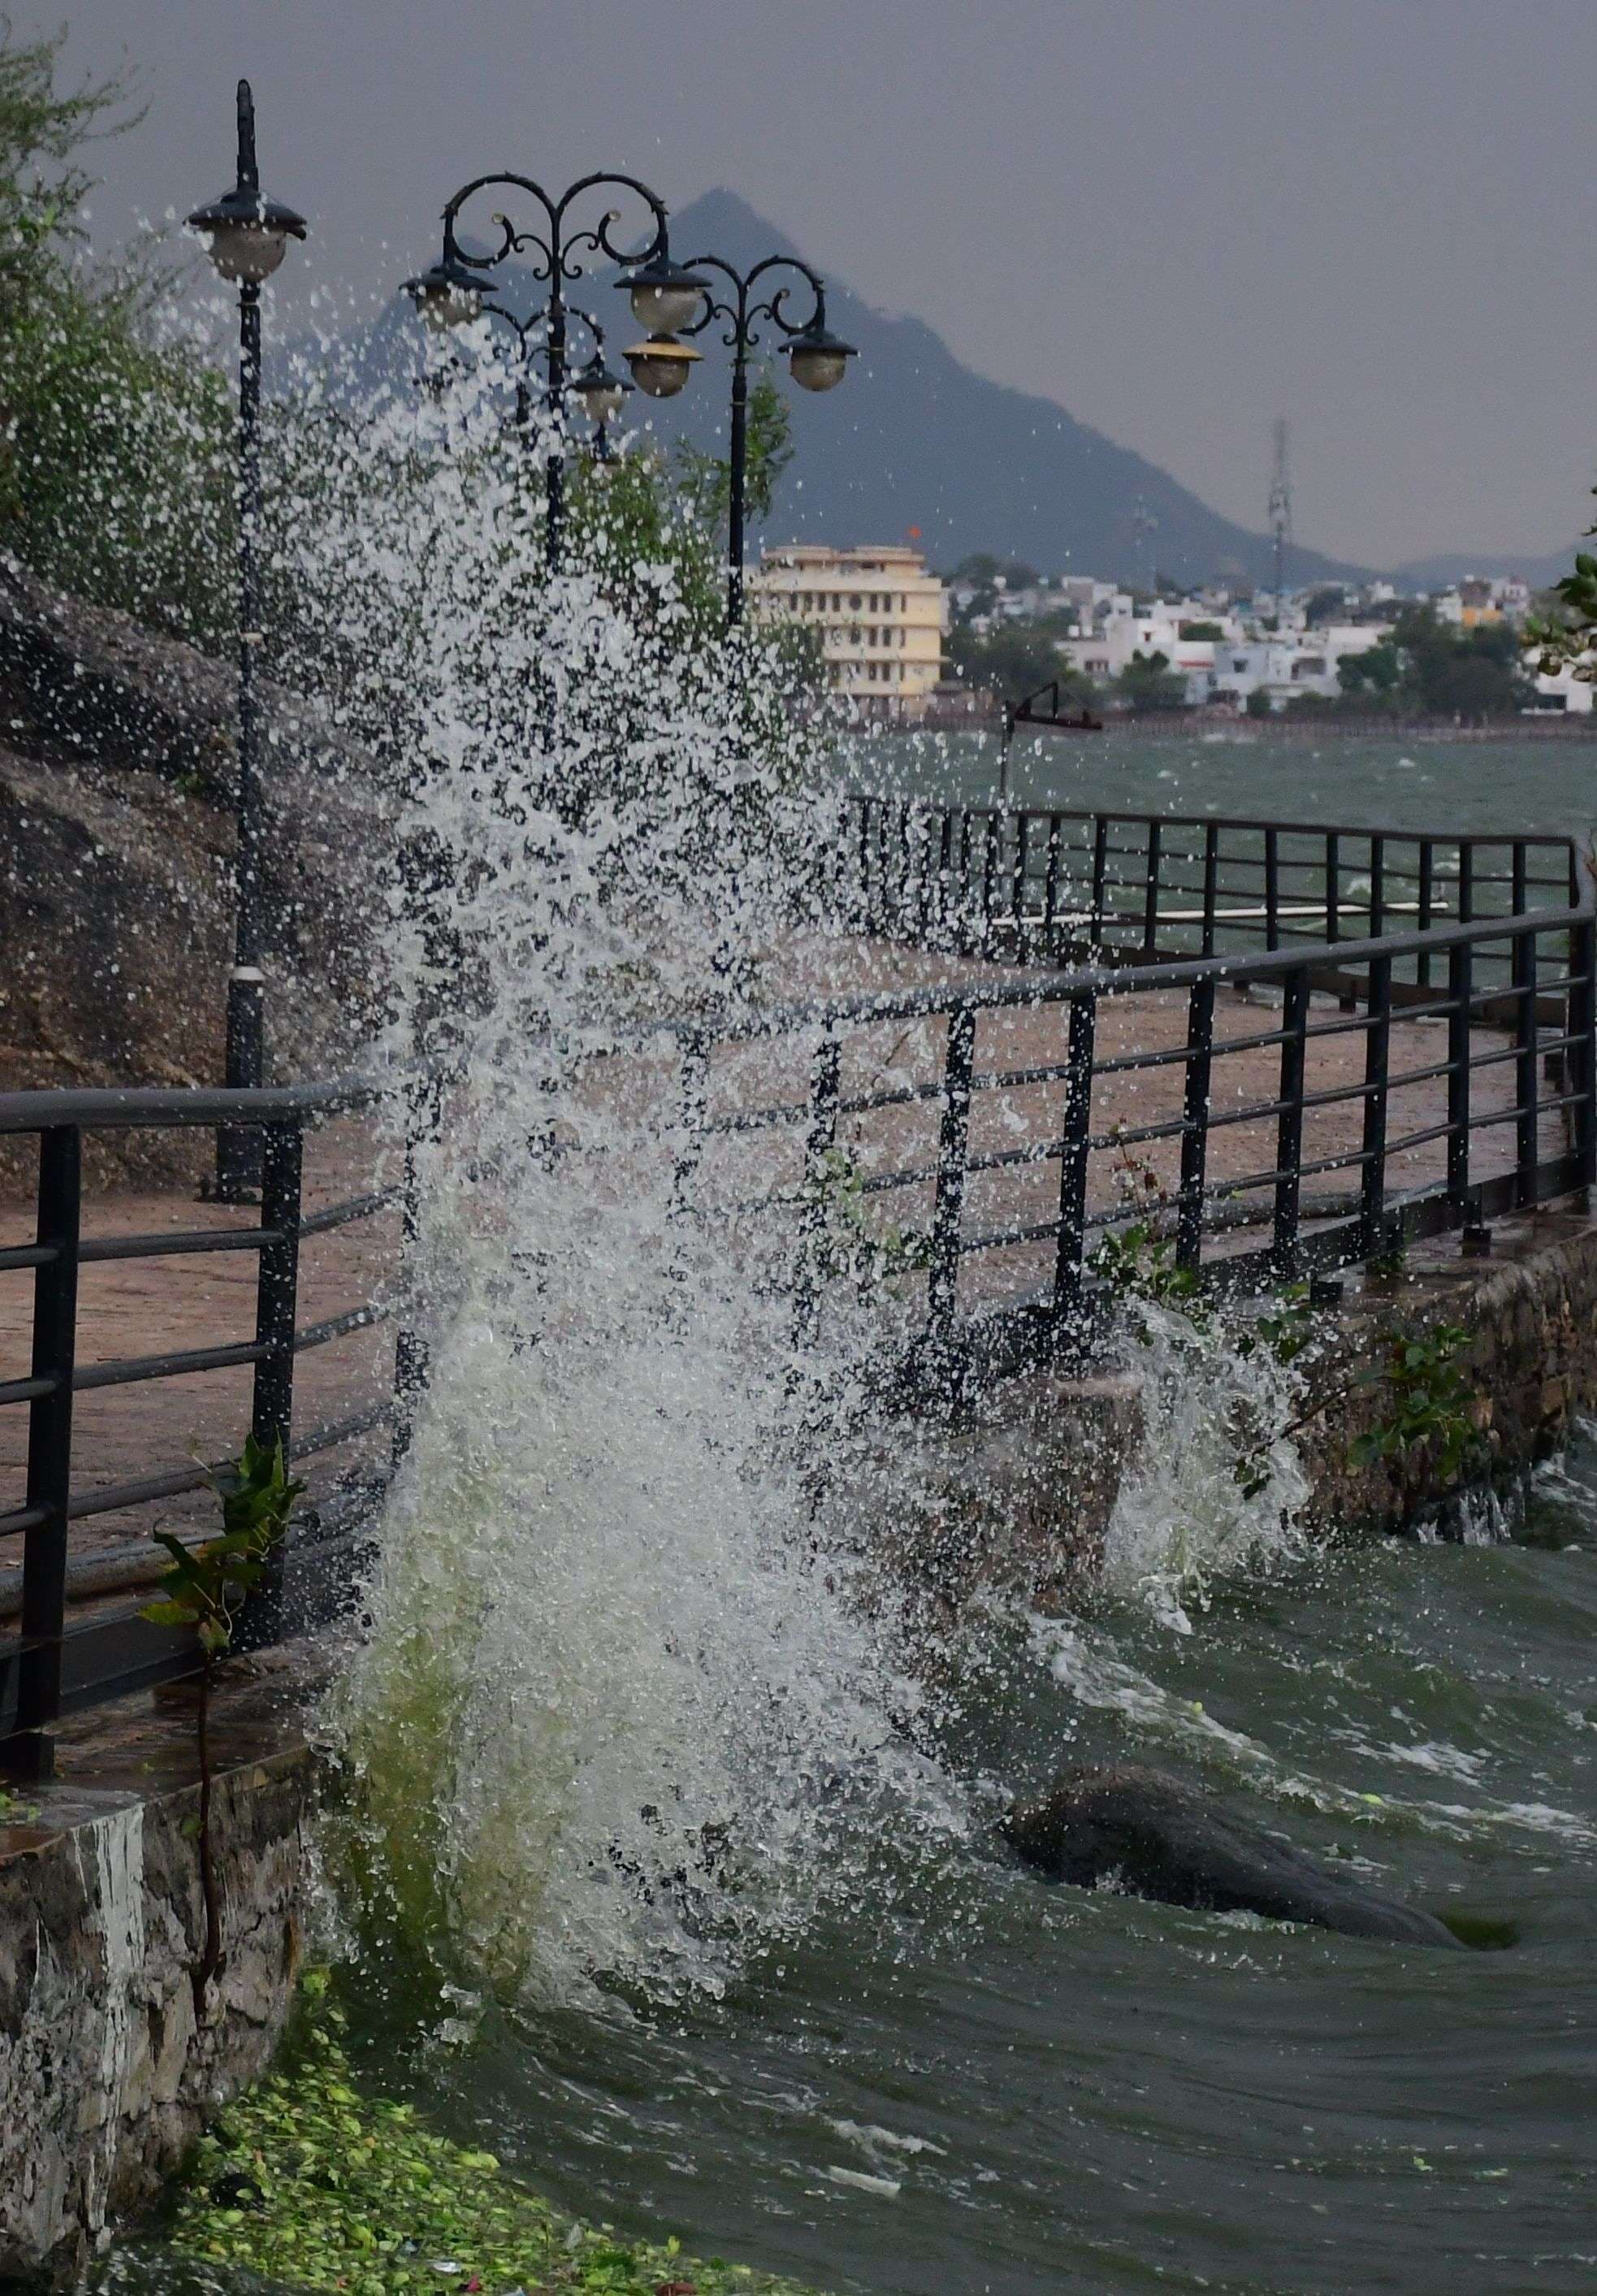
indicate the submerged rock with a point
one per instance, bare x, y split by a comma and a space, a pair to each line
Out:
1157, 1838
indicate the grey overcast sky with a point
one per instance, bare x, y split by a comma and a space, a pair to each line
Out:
1177, 217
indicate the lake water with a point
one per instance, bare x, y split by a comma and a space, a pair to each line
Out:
1513, 786
1062, 2090
966, 2084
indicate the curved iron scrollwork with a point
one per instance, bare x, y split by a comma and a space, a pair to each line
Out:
555, 251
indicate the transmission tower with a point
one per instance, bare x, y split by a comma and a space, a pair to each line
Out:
1281, 506
1144, 526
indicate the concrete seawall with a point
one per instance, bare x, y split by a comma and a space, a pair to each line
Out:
1024, 1490
105, 2077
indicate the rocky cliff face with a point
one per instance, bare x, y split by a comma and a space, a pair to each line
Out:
116, 856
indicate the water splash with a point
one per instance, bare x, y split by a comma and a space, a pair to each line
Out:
619, 1716
1217, 1488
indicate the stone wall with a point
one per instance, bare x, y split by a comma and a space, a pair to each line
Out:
106, 2077
1021, 1490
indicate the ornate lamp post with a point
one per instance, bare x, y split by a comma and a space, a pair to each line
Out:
246, 236
816, 360
665, 297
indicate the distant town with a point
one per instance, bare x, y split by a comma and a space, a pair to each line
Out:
901, 643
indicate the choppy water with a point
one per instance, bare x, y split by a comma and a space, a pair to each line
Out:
1506, 786
1049, 2089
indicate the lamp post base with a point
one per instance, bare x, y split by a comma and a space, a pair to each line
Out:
239, 1148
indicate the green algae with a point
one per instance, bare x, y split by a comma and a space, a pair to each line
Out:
308, 2181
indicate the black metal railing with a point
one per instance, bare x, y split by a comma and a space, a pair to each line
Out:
59, 1661
1058, 886
1266, 1112
1010, 1122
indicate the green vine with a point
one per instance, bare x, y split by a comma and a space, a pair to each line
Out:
850, 1244
307, 2181
205, 1589
1433, 1409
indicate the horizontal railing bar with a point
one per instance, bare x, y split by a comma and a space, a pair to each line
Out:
353, 1319
1549, 840
1001, 1160
27, 1255
354, 1208
118, 1107
1038, 1231
27, 1390
1247, 965
170, 1247
128, 1371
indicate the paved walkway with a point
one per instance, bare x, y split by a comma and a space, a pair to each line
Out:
142, 1307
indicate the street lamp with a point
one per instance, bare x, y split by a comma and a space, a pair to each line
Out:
246, 236
817, 360
459, 287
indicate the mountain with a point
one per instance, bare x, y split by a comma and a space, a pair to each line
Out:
912, 438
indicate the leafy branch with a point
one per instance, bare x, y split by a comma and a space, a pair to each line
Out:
206, 1588
850, 1244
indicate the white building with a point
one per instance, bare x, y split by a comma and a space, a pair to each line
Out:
877, 613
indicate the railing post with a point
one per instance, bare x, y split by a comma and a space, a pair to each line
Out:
1051, 883
1459, 990
1377, 1047
1018, 881
693, 1089
1211, 880
424, 1115
1099, 871
990, 836
1333, 886
965, 935
1194, 1123
1289, 1129
276, 1316
948, 1210
1466, 881
30, 1752
864, 910
1427, 861
824, 1070
1073, 1158
1378, 887
1583, 1061
1271, 887
1150, 891
944, 873
904, 910
1525, 1085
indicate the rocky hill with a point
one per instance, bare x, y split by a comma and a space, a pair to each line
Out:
116, 846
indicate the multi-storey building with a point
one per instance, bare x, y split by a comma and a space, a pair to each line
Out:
878, 613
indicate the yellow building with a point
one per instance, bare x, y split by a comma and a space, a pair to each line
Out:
879, 614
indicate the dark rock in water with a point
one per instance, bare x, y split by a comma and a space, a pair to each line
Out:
1157, 1838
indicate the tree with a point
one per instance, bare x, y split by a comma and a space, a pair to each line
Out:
1148, 683
769, 449
114, 468
1013, 661
1322, 604
1564, 627
1373, 675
